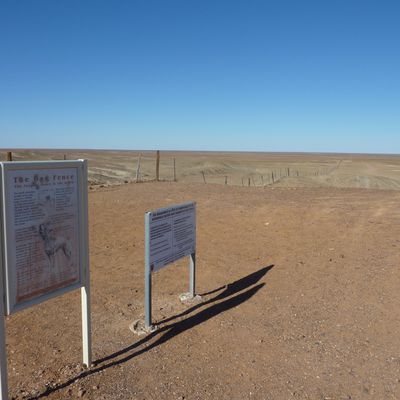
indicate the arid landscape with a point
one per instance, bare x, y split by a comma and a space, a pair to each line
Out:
299, 280
239, 169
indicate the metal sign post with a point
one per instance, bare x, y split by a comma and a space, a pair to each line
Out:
192, 277
170, 234
3, 361
3, 355
147, 272
85, 289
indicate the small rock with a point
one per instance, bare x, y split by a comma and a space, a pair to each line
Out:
81, 392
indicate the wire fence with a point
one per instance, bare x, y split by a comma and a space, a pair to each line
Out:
116, 167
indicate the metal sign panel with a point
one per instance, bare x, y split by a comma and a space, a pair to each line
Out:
171, 234
45, 250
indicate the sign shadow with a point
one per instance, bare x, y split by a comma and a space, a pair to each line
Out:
234, 294
229, 290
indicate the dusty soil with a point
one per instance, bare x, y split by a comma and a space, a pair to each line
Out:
300, 293
239, 169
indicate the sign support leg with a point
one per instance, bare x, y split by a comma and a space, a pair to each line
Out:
3, 355
148, 298
147, 273
192, 268
85, 290
86, 328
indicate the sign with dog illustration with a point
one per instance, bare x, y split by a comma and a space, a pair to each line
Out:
44, 249
42, 210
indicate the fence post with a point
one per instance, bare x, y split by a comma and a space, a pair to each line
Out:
138, 168
9, 156
158, 166
226, 180
204, 177
174, 170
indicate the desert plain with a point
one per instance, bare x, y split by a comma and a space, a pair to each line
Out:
298, 275
110, 167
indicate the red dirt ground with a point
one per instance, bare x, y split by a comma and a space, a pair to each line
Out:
300, 300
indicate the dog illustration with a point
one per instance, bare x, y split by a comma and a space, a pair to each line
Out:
53, 244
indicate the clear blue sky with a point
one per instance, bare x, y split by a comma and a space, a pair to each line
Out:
201, 75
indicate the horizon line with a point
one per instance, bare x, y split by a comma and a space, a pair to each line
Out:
59, 149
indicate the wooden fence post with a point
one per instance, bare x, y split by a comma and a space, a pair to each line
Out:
174, 170
9, 156
204, 177
138, 168
226, 180
65, 156
158, 166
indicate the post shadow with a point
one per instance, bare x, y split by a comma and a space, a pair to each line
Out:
171, 330
230, 289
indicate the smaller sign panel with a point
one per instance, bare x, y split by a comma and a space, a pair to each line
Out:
171, 234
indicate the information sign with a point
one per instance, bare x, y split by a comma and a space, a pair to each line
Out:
172, 234
42, 213
44, 249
